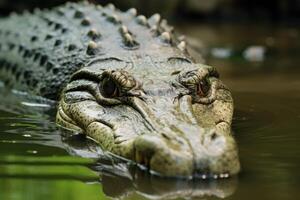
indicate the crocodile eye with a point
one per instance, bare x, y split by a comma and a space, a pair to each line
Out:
202, 87
108, 88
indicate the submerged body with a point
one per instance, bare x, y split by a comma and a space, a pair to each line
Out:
126, 82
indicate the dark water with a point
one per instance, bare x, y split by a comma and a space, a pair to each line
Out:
37, 163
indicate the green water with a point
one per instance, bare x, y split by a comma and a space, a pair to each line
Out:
37, 163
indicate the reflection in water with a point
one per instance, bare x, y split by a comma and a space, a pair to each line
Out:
121, 179
156, 188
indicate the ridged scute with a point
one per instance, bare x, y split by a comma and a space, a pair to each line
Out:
41, 50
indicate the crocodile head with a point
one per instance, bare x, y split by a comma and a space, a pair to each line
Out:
172, 118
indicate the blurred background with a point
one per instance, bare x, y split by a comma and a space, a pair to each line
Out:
238, 31
221, 10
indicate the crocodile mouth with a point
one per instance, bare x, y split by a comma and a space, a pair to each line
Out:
160, 156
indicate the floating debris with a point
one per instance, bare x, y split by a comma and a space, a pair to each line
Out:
255, 53
221, 52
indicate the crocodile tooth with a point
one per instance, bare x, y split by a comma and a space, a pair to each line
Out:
154, 19
141, 19
182, 45
132, 11
166, 37
92, 48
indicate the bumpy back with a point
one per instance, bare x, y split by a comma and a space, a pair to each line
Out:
40, 51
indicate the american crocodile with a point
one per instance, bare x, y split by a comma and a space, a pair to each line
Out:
126, 82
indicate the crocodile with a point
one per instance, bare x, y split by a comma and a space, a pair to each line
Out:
128, 83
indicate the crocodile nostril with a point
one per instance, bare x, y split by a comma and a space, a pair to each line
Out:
160, 156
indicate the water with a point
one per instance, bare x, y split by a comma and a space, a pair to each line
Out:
36, 162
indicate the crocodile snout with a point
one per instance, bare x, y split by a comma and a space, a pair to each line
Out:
213, 155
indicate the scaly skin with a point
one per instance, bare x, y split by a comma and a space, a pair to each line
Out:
127, 83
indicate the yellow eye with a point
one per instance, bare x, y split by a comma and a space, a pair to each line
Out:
108, 88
